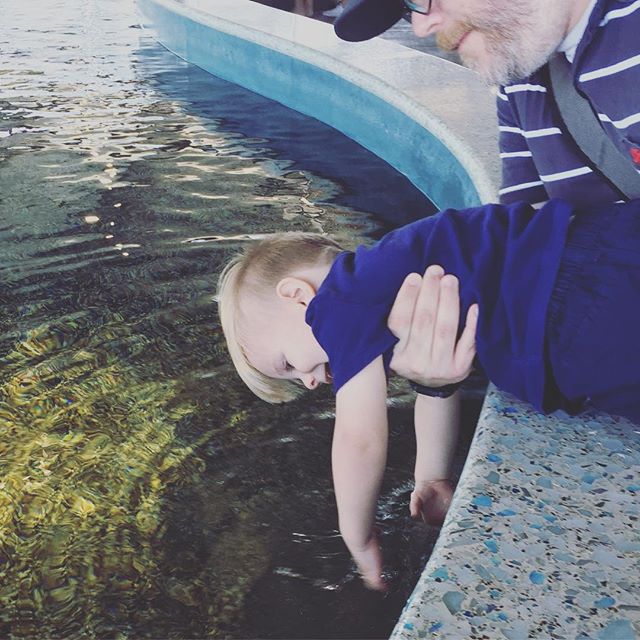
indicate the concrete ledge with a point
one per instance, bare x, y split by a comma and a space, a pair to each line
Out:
542, 539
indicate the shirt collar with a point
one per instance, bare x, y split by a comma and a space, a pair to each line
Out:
569, 45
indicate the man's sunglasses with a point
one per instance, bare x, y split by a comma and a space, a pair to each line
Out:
416, 6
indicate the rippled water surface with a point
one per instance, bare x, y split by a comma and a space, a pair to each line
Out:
143, 491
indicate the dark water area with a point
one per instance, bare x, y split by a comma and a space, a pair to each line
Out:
144, 492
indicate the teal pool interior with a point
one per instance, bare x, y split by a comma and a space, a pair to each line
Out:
306, 87
144, 492
365, 182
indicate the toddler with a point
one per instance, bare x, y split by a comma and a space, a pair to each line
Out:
558, 292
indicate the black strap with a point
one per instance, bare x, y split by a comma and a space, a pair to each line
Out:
587, 131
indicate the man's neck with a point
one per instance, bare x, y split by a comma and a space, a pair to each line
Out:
578, 7
578, 21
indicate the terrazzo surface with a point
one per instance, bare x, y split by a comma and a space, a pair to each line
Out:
542, 539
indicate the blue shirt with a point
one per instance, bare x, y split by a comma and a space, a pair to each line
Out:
539, 160
506, 259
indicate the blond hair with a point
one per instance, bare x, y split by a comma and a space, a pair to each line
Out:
256, 271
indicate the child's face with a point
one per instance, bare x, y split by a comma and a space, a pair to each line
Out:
282, 345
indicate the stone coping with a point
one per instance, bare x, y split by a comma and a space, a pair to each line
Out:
542, 539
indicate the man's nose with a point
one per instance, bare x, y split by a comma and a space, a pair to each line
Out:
424, 26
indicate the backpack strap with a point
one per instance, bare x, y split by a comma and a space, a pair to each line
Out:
587, 131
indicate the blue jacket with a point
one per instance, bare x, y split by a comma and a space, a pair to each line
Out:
506, 258
539, 160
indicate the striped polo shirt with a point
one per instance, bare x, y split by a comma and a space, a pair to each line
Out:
539, 159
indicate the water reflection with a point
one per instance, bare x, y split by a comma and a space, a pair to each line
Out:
143, 491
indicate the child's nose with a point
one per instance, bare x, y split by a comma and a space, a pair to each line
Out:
309, 380
424, 26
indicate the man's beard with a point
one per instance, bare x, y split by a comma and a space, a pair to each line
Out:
516, 42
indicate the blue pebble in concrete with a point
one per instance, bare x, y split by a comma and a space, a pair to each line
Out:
605, 602
620, 629
491, 545
536, 577
440, 573
481, 501
452, 600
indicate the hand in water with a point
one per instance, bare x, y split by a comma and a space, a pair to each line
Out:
430, 501
425, 318
368, 558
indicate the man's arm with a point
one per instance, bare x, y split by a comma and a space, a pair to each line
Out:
359, 454
520, 178
437, 423
425, 318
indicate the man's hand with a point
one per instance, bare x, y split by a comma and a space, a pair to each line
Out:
425, 319
368, 558
430, 501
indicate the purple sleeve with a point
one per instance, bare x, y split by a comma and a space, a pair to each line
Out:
352, 334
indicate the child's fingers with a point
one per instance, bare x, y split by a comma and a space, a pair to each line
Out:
375, 582
369, 562
415, 507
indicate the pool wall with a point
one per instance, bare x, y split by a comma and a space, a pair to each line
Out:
366, 91
542, 539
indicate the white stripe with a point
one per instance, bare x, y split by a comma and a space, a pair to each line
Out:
535, 133
516, 154
562, 175
620, 13
525, 87
510, 129
620, 124
519, 187
610, 70
502, 97
537, 205
540, 133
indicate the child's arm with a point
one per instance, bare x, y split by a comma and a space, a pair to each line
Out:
359, 455
436, 423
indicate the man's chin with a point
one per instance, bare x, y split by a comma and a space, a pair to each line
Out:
489, 75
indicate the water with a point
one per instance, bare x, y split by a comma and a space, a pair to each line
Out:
143, 491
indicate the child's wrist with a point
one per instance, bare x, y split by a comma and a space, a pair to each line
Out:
425, 482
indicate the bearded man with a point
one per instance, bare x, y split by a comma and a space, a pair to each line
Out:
509, 44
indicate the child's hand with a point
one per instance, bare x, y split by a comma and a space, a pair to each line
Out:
368, 558
430, 501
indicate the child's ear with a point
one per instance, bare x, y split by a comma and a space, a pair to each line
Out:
296, 290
